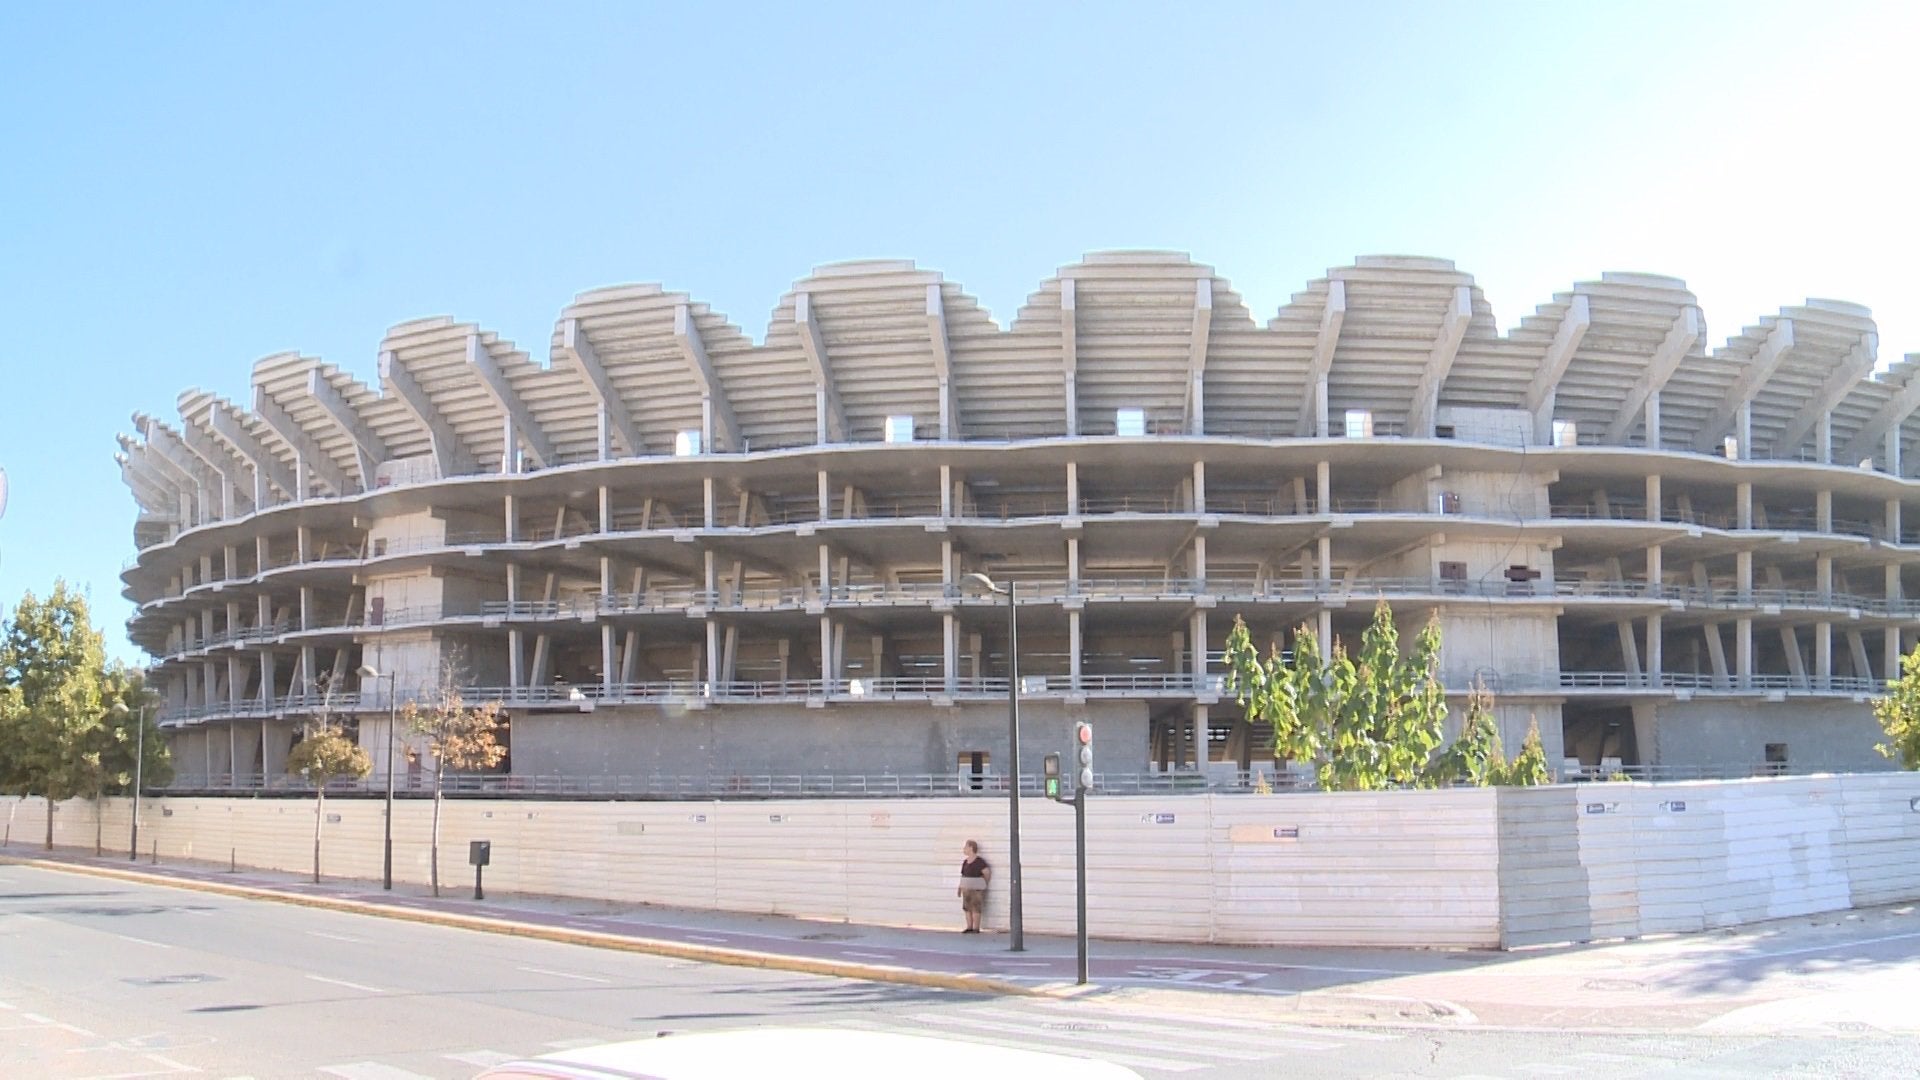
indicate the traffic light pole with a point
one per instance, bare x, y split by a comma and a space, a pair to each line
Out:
1080, 876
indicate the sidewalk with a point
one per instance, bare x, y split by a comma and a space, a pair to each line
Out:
1840, 973
938, 958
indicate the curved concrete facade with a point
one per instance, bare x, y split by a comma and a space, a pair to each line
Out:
670, 549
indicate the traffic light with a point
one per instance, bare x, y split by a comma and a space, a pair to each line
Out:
1050, 768
1083, 739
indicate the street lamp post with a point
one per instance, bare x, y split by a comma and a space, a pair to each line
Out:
139, 766
367, 671
1015, 921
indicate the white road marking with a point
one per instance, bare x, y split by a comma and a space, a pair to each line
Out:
4, 1007
1187, 1021
1842, 946
706, 937
573, 1044
566, 975
338, 937
871, 955
371, 1070
1096, 1024
37, 1018
1057, 1041
348, 985
196, 913
83, 1032
1020, 963
580, 925
480, 1059
142, 941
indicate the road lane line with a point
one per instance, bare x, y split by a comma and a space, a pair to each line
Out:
706, 937
338, 937
480, 1059
565, 975
371, 1070
1010, 1035
872, 955
142, 941
1092, 1021
37, 1018
348, 985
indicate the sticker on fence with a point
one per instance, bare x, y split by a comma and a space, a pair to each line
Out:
1263, 834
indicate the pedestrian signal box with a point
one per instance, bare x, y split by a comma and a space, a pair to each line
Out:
1050, 769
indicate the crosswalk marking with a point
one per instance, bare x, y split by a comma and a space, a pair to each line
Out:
1249, 1040
1060, 1043
480, 1059
371, 1070
1184, 1020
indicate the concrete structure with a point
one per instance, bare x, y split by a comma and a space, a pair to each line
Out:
672, 549
1469, 867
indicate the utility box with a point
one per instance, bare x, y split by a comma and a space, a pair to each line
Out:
479, 852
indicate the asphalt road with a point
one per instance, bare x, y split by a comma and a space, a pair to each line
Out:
100, 978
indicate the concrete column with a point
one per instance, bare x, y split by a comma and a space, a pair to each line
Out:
825, 497
1654, 651
950, 651
303, 543
510, 516
1823, 654
1823, 510
707, 514
1199, 487
606, 509
1323, 487
1653, 420
1743, 431
829, 663
1743, 504
1653, 498
713, 654
1825, 438
607, 673
1075, 649
946, 491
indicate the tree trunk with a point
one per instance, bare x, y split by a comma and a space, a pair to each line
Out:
319, 815
49, 823
96, 826
435, 872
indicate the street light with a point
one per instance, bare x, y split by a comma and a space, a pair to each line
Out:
1014, 914
139, 764
367, 672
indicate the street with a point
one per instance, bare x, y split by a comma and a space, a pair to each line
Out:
102, 978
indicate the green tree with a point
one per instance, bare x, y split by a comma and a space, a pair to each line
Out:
52, 700
1364, 721
1475, 757
1529, 768
119, 742
324, 755
461, 738
1899, 713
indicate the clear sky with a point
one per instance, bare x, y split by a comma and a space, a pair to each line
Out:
185, 188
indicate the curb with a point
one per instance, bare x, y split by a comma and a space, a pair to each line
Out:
707, 954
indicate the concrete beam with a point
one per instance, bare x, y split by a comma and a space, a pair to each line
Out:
235, 434
307, 453
1741, 394
1426, 395
575, 346
831, 424
494, 381
1070, 354
448, 452
1313, 401
1680, 339
234, 473
1889, 416
368, 449
1857, 365
1566, 341
942, 361
713, 397
1197, 356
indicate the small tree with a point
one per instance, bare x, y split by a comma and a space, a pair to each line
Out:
458, 737
1529, 768
1365, 721
324, 755
1899, 713
1475, 757
52, 666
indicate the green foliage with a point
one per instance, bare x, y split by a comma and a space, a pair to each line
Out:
459, 737
52, 705
325, 755
1367, 720
1529, 768
1899, 713
1475, 758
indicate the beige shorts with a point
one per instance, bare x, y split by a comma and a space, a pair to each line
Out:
973, 900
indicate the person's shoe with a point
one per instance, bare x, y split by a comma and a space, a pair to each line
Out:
969, 930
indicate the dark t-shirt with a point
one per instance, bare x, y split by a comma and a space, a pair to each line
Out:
974, 867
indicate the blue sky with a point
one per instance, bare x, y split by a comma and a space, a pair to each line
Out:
186, 188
